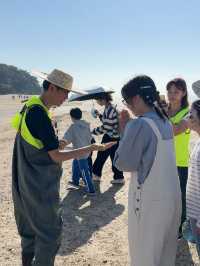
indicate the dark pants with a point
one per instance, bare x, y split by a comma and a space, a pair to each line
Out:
35, 191
183, 176
102, 156
40, 238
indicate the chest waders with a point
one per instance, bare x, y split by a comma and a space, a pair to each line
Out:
35, 189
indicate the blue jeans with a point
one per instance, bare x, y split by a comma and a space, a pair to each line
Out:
80, 168
195, 234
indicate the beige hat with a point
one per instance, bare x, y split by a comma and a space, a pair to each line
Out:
58, 78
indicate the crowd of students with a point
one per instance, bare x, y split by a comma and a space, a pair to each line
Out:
149, 139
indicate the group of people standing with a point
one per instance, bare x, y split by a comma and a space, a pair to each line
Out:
79, 135
158, 140
143, 146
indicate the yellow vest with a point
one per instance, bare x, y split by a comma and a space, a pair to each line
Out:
19, 122
181, 140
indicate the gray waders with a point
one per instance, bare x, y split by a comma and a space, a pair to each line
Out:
35, 188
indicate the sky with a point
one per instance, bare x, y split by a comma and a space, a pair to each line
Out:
104, 42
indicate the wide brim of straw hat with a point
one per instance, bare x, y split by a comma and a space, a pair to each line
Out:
47, 77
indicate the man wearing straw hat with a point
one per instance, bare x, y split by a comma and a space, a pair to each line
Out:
36, 171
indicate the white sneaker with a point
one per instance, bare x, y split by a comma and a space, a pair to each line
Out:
96, 178
117, 181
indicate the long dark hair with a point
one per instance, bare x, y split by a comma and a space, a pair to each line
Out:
145, 87
180, 84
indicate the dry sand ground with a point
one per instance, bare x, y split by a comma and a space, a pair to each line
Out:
95, 229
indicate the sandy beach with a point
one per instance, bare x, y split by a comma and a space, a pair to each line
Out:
95, 228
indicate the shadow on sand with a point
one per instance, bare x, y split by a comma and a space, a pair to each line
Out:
183, 256
83, 215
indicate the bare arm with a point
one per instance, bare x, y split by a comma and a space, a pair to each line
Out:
59, 156
63, 143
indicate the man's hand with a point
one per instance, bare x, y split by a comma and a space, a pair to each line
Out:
62, 144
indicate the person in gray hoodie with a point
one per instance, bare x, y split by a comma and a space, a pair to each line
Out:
79, 135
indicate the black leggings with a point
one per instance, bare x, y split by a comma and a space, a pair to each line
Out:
183, 176
102, 156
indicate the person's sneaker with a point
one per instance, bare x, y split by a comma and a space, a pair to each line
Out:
71, 184
96, 178
117, 181
81, 183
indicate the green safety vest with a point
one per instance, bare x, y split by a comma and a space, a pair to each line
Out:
19, 122
181, 140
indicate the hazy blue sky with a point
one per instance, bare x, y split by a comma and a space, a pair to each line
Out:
105, 41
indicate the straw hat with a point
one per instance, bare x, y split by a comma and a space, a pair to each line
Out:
58, 78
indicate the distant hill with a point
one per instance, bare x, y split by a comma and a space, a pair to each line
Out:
17, 81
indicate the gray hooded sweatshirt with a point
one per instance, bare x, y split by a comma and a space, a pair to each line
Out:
79, 135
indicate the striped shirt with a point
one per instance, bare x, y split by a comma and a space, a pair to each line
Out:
110, 123
193, 185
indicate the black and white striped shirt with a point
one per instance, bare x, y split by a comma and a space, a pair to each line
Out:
193, 185
110, 123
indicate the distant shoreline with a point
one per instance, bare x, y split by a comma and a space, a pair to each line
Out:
9, 106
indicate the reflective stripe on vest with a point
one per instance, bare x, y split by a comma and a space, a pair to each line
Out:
19, 122
181, 140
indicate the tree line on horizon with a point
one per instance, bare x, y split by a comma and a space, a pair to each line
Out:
17, 81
